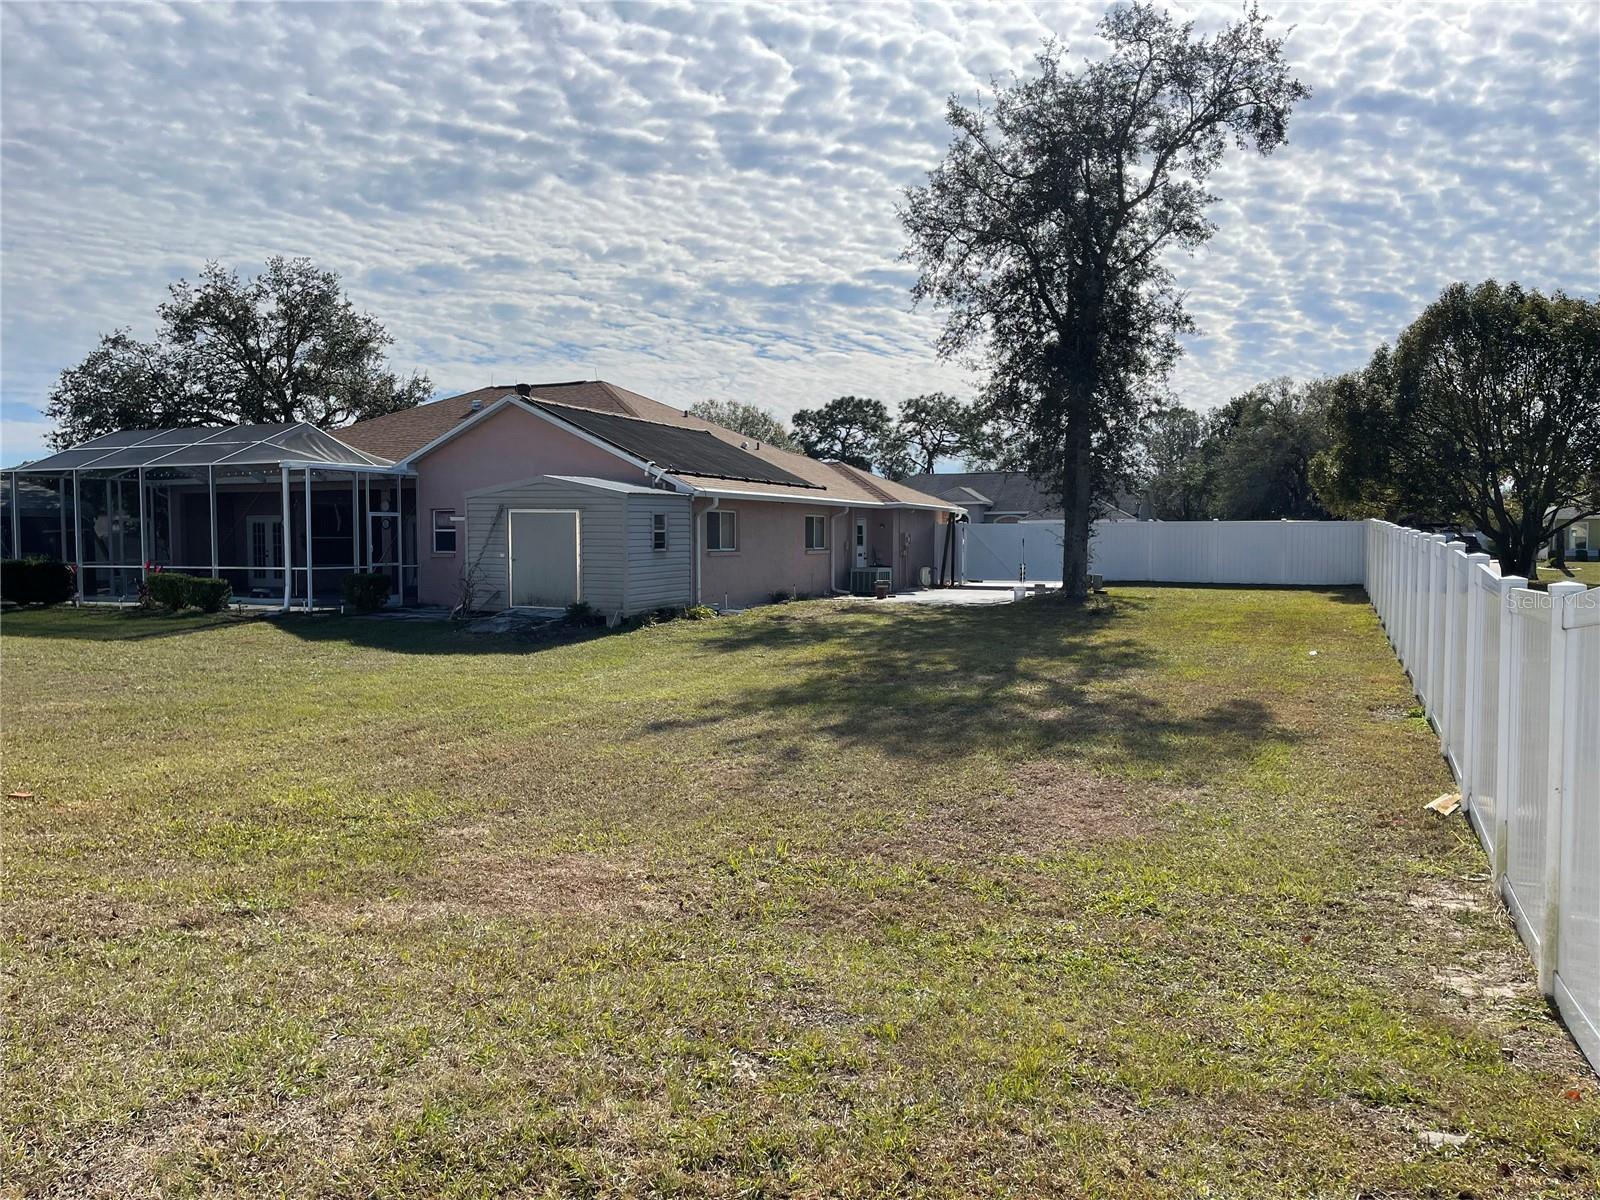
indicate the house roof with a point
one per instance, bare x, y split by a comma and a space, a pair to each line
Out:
199, 446
586, 481
676, 448
1009, 492
398, 434
785, 475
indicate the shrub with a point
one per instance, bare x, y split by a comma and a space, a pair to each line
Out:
207, 594
167, 589
699, 612
580, 613
779, 597
367, 591
36, 581
173, 590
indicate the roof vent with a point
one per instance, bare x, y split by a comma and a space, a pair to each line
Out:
477, 403
524, 390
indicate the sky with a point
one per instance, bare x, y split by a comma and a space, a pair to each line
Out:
698, 201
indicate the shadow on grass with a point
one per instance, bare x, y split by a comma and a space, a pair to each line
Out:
944, 683
371, 633
93, 624
924, 684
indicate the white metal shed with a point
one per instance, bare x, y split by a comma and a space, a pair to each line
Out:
546, 542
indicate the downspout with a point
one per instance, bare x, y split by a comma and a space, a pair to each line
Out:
833, 574
694, 543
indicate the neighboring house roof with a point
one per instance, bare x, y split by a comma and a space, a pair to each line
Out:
1005, 492
784, 475
1011, 494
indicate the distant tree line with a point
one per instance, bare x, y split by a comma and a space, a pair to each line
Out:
1486, 412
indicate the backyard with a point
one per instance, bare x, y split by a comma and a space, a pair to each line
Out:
821, 899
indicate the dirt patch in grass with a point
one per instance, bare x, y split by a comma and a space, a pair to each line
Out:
1043, 807
1487, 979
1052, 804
575, 886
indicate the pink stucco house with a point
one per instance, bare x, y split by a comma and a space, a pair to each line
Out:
563, 491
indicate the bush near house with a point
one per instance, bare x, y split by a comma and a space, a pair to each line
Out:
36, 581
174, 591
367, 591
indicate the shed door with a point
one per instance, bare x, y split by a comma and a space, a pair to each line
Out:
544, 558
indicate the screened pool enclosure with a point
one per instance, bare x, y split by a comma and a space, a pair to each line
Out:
282, 512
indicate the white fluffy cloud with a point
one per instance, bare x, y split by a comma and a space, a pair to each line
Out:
698, 200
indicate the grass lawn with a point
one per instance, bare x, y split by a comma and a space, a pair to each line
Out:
1579, 572
817, 900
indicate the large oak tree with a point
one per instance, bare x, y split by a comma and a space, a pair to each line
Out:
1042, 233
283, 346
1488, 410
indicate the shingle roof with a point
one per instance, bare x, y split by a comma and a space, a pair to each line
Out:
402, 433
675, 448
1008, 492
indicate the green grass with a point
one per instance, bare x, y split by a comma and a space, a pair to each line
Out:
817, 900
1580, 572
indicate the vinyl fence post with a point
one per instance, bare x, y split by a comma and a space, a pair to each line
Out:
1505, 614
1433, 623
1562, 596
1448, 683
1472, 732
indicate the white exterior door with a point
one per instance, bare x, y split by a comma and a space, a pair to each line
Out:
861, 542
266, 552
544, 558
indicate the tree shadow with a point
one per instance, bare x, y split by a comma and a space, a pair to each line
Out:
1023, 680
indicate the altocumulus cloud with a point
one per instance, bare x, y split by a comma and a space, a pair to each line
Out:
698, 200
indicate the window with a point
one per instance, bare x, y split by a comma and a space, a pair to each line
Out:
444, 531
658, 531
722, 531
816, 533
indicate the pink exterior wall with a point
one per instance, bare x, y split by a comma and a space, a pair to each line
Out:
511, 445
772, 556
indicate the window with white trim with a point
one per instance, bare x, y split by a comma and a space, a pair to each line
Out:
658, 531
722, 531
444, 531
816, 533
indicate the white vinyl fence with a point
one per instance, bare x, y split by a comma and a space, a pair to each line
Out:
1303, 553
1510, 677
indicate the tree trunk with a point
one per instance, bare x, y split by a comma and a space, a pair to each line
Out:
1077, 502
